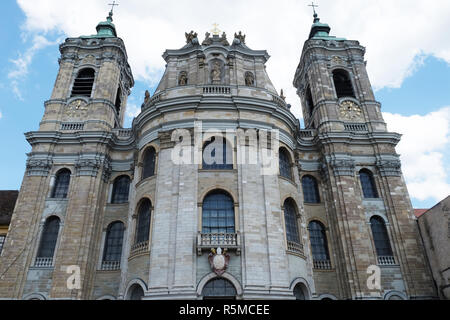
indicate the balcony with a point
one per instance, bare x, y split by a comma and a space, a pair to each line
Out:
386, 261
110, 265
139, 248
217, 90
322, 264
43, 263
294, 247
207, 241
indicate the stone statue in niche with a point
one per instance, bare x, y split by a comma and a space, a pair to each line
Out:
182, 81
249, 79
216, 72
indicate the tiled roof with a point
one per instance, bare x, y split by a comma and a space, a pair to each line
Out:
420, 212
7, 203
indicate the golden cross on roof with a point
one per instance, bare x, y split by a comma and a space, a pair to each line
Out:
216, 30
314, 6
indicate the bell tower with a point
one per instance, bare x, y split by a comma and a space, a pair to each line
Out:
333, 84
360, 170
92, 85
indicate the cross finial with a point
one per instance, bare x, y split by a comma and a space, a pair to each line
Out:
114, 4
216, 30
314, 6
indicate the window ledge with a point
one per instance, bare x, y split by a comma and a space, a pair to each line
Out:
288, 180
313, 204
145, 180
218, 170
296, 254
125, 204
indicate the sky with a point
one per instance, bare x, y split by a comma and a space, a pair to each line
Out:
408, 61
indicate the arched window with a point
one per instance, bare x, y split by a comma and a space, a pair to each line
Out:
285, 164
113, 246
48, 239
381, 238
217, 155
299, 292
219, 288
218, 213
342, 84
310, 190
290, 219
143, 222
136, 292
309, 102
149, 163
120, 190
319, 245
61, 187
368, 184
83, 83
118, 103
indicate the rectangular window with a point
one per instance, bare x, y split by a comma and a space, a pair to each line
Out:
2, 242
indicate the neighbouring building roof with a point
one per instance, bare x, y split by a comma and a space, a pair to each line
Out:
420, 212
7, 203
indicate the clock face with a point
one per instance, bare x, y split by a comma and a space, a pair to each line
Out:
350, 110
77, 108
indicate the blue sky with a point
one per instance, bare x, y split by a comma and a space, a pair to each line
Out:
414, 93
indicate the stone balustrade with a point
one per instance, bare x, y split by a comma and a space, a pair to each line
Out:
295, 247
43, 262
322, 264
110, 265
386, 260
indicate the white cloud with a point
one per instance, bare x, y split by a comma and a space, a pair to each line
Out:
23, 61
424, 144
394, 32
1, 115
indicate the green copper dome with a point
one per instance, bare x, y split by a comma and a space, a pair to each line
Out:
107, 28
321, 30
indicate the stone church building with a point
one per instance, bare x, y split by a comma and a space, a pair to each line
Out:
106, 212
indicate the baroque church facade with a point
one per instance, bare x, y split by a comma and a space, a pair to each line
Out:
106, 212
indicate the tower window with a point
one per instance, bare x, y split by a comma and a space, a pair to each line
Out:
368, 184
217, 155
2, 242
49, 238
118, 100
310, 190
309, 102
319, 245
120, 190
285, 164
342, 84
113, 243
61, 187
83, 83
149, 163
218, 213
380, 237
290, 219
143, 222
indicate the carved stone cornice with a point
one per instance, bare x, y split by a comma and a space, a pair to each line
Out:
88, 165
39, 167
389, 168
343, 167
